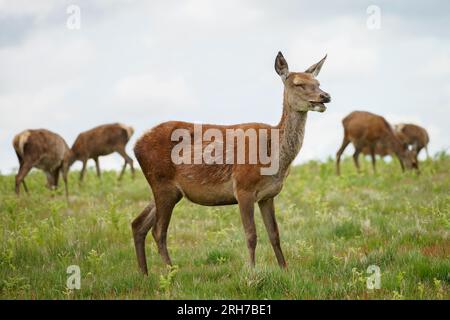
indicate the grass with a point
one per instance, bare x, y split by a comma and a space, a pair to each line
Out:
332, 229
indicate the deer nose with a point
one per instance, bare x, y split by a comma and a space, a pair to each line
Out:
325, 97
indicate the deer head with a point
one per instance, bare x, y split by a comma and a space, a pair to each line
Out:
409, 159
302, 90
407, 156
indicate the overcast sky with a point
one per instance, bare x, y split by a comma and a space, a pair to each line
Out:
145, 62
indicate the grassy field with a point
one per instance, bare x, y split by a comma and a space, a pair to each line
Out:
332, 229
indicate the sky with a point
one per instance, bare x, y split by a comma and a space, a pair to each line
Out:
146, 62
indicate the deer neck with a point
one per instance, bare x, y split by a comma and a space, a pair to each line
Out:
396, 145
292, 131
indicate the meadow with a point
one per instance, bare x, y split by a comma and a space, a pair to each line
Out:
332, 229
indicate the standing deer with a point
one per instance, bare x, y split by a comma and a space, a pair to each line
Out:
44, 150
101, 141
225, 184
373, 133
415, 136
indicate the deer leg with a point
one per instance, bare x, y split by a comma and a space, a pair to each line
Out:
65, 170
372, 155
56, 177
97, 167
128, 160
83, 170
401, 164
165, 201
141, 226
50, 180
344, 145
25, 167
356, 159
25, 185
247, 208
268, 214
23, 181
123, 170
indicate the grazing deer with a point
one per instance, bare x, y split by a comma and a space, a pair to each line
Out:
415, 136
370, 131
44, 150
216, 184
101, 141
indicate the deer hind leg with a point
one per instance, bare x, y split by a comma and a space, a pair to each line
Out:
268, 214
344, 145
165, 200
25, 167
356, 159
247, 208
141, 226
128, 160
20, 164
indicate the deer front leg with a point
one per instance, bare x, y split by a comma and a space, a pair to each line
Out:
247, 207
141, 226
356, 159
97, 167
165, 200
268, 214
127, 160
83, 169
372, 155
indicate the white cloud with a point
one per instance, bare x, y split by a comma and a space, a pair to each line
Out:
151, 90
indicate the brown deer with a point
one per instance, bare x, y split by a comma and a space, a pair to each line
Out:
366, 130
214, 184
101, 141
44, 150
415, 136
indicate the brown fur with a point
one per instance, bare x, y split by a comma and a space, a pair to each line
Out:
44, 150
415, 136
222, 184
372, 132
101, 141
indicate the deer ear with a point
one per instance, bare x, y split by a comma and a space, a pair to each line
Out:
315, 68
281, 66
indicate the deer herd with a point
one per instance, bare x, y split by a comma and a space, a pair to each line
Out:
214, 184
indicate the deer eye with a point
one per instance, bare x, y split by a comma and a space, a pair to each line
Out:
301, 85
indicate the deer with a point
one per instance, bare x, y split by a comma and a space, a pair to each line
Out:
215, 184
415, 136
101, 141
42, 149
372, 133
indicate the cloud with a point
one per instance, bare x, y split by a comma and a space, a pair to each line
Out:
157, 91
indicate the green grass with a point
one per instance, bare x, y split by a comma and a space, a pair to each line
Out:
332, 229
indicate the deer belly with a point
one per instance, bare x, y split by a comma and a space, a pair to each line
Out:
209, 194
